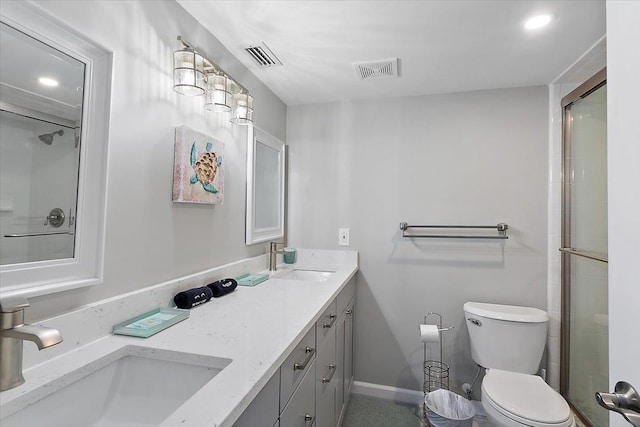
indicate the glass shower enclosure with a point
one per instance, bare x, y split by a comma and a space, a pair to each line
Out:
584, 358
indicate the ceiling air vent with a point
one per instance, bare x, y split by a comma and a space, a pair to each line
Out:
263, 56
377, 69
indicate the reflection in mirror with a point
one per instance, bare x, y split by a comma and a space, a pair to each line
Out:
265, 188
41, 95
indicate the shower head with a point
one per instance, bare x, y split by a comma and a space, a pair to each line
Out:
47, 138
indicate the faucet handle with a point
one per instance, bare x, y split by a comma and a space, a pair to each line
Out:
13, 304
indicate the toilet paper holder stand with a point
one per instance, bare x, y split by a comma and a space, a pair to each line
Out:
436, 372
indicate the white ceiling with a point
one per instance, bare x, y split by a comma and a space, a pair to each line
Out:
442, 46
24, 60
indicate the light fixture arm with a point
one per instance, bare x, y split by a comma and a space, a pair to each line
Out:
211, 67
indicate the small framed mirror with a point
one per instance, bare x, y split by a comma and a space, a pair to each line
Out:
265, 187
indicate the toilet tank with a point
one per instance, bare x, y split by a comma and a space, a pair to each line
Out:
506, 337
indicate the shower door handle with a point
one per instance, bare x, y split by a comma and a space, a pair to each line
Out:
625, 400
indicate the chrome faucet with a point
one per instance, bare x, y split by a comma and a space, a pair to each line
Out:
273, 246
13, 332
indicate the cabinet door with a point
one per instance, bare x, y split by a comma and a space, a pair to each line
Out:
263, 410
326, 381
344, 350
339, 378
301, 409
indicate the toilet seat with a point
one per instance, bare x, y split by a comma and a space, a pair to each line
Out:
526, 399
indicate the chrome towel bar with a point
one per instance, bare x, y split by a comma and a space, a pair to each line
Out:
53, 233
501, 228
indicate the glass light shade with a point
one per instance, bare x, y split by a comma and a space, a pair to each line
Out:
218, 96
188, 73
242, 113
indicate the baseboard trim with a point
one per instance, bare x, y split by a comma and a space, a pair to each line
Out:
387, 392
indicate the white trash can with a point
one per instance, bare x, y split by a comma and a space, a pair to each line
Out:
443, 408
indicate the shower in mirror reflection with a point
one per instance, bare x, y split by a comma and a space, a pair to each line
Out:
47, 138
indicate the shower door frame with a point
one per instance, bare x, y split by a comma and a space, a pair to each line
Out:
591, 85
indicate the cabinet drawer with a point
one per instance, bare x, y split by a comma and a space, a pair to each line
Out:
327, 322
301, 409
346, 295
264, 407
296, 366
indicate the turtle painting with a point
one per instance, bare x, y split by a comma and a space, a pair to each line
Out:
205, 167
198, 168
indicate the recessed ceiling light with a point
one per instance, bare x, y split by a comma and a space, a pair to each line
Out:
46, 81
536, 22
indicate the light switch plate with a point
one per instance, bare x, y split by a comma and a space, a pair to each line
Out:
343, 237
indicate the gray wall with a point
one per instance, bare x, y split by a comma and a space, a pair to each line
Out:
149, 239
464, 158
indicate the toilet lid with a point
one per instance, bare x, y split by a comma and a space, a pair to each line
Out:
525, 396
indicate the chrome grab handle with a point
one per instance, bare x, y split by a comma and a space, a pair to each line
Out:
332, 369
475, 321
625, 400
333, 318
590, 255
299, 367
308, 418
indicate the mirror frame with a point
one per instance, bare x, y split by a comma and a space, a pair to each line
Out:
86, 267
256, 235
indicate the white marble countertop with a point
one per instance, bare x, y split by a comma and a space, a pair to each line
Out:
255, 327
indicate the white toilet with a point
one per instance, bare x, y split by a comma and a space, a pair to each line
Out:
509, 341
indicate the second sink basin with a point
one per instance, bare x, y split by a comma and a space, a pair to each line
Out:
134, 386
307, 275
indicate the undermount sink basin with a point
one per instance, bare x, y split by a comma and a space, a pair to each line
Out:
308, 275
134, 386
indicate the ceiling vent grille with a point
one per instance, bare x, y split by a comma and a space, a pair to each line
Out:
377, 69
263, 56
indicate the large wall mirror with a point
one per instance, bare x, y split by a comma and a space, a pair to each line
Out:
54, 97
41, 94
265, 187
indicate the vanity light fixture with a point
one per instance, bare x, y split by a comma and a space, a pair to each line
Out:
536, 22
193, 74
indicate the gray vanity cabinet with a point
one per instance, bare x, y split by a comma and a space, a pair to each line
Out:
311, 388
288, 396
334, 370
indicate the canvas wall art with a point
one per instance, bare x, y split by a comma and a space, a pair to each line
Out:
198, 168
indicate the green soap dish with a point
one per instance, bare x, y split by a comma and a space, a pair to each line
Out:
250, 279
150, 322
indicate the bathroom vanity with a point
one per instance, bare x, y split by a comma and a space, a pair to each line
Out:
279, 353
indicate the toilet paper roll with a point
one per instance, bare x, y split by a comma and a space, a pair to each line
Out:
429, 333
